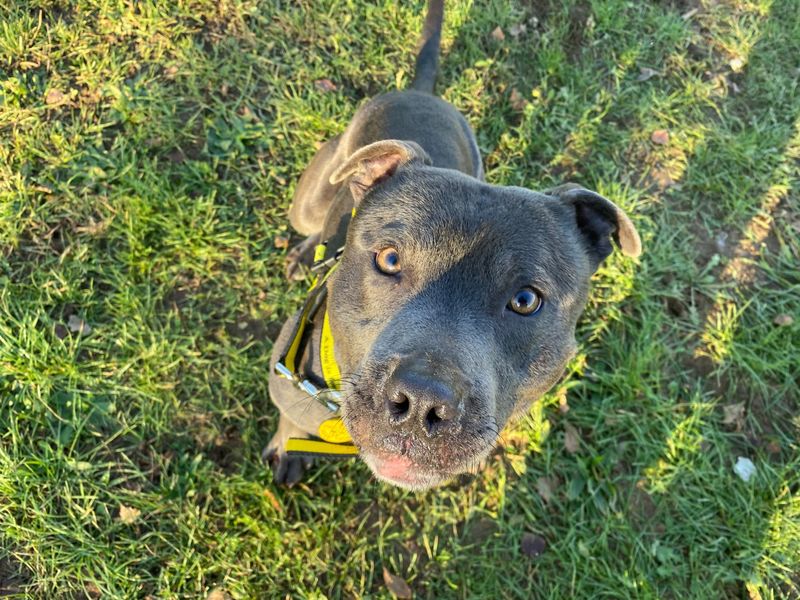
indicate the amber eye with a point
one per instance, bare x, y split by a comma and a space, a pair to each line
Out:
526, 301
388, 261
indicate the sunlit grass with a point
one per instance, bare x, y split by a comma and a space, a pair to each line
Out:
148, 152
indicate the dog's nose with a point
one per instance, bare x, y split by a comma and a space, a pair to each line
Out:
417, 399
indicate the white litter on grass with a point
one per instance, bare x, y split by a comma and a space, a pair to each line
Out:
744, 468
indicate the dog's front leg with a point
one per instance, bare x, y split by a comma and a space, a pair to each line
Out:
286, 469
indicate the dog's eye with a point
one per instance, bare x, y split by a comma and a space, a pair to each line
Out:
388, 261
526, 301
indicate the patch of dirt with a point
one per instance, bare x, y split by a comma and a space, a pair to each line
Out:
641, 509
247, 329
579, 16
226, 450
681, 6
538, 12
14, 577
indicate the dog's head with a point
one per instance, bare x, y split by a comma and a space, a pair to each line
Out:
458, 302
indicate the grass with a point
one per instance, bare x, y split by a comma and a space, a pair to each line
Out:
148, 152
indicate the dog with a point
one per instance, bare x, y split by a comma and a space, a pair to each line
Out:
444, 305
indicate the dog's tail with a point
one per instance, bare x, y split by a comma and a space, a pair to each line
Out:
428, 49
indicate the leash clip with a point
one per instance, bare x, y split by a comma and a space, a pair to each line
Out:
327, 397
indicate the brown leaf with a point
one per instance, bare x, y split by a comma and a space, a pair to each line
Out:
281, 241
128, 514
646, 73
518, 29
774, 447
734, 414
545, 488
572, 439
783, 320
497, 33
396, 585
272, 500
54, 97
325, 85
660, 137
532, 545
218, 594
517, 100
480, 530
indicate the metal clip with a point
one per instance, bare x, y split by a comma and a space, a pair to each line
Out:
327, 397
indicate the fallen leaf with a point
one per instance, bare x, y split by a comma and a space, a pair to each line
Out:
396, 585
563, 403
744, 468
689, 14
128, 514
660, 137
497, 33
545, 488
532, 545
646, 73
662, 178
281, 241
734, 414
518, 102
518, 29
572, 439
54, 97
272, 500
481, 530
736, 64
325, 85
774, 447
78, 325
783, 320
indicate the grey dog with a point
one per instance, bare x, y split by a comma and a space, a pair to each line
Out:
453, 303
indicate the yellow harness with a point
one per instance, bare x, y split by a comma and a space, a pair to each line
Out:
335, 441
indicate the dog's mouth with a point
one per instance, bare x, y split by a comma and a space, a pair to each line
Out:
416, 464
402, 471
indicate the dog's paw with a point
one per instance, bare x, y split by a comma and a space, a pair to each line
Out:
286, 469
299, 259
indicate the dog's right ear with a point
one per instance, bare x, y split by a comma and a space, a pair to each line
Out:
377, 162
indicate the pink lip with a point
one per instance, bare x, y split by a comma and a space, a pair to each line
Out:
395, 467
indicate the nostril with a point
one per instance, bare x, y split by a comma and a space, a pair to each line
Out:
399, 405
433, 418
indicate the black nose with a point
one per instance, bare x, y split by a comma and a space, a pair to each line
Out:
418, 399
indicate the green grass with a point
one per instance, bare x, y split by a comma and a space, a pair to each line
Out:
147, 158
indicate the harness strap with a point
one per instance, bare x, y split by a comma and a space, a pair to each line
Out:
336, 441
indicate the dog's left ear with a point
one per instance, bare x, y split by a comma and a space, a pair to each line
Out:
377, 162
598, 219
